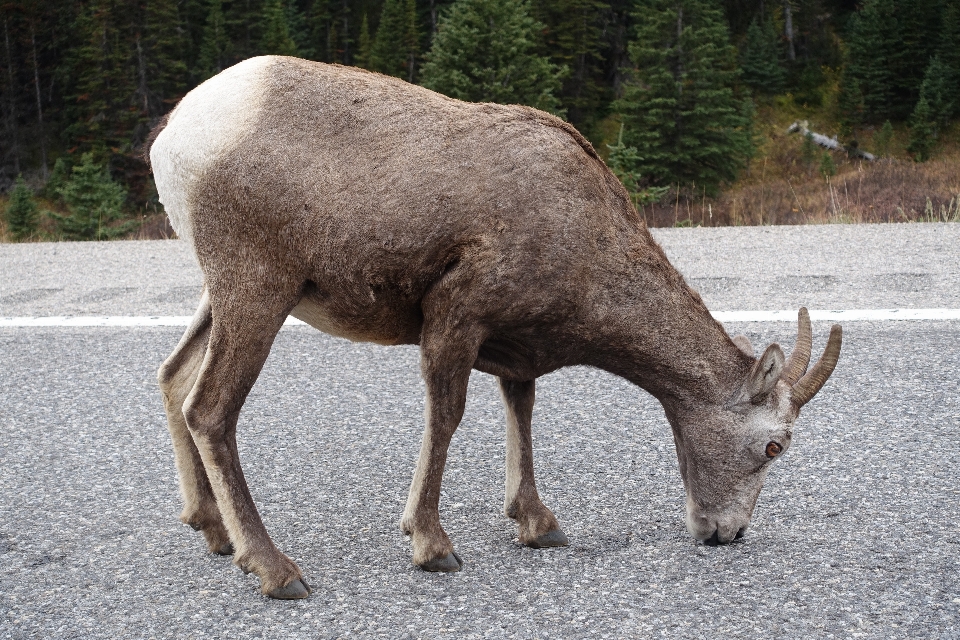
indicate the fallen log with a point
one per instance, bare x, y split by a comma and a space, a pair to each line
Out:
853, 150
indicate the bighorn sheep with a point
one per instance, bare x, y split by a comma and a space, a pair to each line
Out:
492, 236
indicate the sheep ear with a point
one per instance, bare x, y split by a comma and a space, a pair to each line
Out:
761, 379
743, 342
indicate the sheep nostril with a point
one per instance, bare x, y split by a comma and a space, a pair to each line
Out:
740, 533
713, 540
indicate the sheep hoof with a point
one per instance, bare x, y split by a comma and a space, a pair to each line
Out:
296, 590
447, 564
555, 538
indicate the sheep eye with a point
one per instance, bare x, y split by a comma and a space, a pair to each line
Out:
773, 449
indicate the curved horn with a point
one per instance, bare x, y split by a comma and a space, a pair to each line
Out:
813, 381
800, 356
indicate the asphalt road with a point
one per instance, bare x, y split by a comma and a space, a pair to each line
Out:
857, 533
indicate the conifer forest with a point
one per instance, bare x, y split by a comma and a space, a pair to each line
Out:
688, 101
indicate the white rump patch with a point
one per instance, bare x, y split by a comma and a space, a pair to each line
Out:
209, 122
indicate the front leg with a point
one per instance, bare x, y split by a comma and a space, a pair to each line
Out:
447, 357
538, 526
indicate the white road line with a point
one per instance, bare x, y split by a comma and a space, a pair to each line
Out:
790, 315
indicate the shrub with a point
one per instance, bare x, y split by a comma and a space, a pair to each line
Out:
21, 213
95, 202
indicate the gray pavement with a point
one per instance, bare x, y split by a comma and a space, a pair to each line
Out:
857, 533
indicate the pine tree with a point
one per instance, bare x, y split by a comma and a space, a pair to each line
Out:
938, 91
850, 106
922, 131
867, 76
394, 48
101, 82
21, 211
679, 107
485, 51
573, 37
162, 69
760, 59
622, 161
276, 38
215, 47
95, 202
808, 150
364, 44
827, 167
881, 141
917, 25
949, 51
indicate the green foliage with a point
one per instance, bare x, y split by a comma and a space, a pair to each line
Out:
95, 202
882, 140
276, 38
808, 150
164, 79
889, 46
485, 51
215, 47
21, 212
867, 77
395, 47
623, 161
573, 37
938, 91
827, 167
949, 51
101, 88
365, 45
761, 59
922, 131
679, 106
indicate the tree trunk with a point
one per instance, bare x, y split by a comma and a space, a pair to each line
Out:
36, 84
788, 30
11, 104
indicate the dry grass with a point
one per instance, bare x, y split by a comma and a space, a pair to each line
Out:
783, 187
885, 191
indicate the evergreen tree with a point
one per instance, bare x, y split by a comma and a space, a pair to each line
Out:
868, 76
679, 107
938, 92
881, 141
850, 106
95, 202
917, 25
573, 37
276, 38
215, 47
364, 45
101, 110
394, 48
162, 69
889, 46
827, 167
760, 59
485, 51
922, 131
949, 51
622, 161
21, 211
808, 150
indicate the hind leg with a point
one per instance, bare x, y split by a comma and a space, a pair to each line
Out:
246, 316
447, 353
538, 526
177, 376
